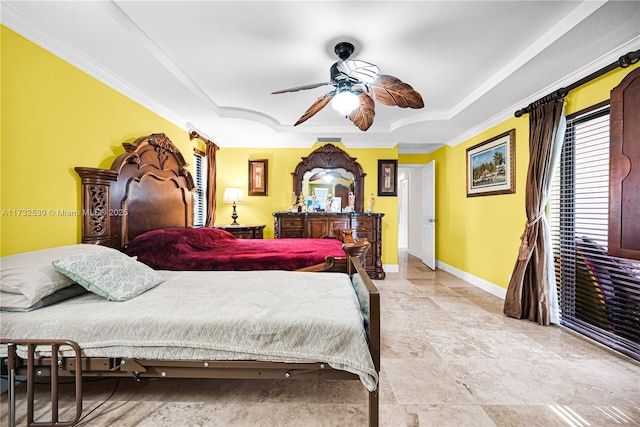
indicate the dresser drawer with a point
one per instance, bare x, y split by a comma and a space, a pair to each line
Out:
364, 222
338, 223
361, 233
291, 223
288, 233
246, 234
369, 261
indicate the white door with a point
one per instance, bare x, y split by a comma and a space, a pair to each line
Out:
429, 215
403, 212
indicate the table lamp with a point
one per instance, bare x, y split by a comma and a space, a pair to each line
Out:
233, 195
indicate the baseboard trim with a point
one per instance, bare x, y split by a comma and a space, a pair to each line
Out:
485, 285
391, 268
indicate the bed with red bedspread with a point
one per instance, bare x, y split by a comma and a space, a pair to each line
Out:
215, 249
143, 205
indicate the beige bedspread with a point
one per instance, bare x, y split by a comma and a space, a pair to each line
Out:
252, 315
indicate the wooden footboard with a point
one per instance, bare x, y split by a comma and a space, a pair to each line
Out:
355, 248
328, 265
81, 367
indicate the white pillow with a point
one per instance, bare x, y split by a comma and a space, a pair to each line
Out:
18, 302
31, 274
110, 274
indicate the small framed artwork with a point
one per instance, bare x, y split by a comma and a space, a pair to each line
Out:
491, 166
387, 177
258, 176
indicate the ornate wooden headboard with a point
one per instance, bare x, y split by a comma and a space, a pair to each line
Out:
147, 188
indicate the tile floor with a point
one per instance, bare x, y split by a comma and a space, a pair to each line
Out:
449, 358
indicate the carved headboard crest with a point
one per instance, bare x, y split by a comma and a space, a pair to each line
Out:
148, 187
152, 150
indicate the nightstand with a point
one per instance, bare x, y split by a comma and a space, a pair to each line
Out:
243, 231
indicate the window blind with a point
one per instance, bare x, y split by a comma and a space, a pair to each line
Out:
599, 295
199, 196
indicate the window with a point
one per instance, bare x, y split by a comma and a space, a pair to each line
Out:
599, 295
199, 197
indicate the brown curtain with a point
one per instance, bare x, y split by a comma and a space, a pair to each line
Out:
531, 293
211, 183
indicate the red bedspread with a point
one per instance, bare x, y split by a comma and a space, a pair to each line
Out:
213, 249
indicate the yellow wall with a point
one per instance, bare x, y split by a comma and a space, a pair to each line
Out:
481, 235
56, 117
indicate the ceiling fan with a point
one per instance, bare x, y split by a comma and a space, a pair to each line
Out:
356, 82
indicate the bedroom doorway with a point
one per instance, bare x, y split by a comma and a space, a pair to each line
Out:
403, 211
416, 216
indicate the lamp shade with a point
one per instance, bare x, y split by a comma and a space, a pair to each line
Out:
233, 195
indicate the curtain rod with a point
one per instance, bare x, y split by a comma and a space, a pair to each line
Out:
623, 62
195, 135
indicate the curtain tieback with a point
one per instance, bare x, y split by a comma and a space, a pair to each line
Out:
535, 220
525, 249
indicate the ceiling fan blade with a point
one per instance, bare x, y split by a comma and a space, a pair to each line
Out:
359, 70
305, 87
363, 116
316, 176
391, 90
315, 107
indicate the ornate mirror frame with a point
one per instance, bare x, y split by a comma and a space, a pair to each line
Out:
331, 157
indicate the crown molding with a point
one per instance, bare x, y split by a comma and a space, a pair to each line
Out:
16, 21
586, 70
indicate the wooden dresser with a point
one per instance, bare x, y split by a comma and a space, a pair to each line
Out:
319, 224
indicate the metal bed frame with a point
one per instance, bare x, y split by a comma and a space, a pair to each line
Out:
80, 367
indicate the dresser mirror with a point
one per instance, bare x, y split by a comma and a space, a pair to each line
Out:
327, 184
329, 172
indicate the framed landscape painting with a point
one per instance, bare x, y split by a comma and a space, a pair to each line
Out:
491, 166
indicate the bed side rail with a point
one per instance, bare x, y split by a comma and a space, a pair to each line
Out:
373, 329
373, 332
54, 363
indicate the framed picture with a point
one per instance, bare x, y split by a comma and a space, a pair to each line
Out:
387, 177
491, 166
258, 176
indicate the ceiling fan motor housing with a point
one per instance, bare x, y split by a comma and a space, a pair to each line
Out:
344, 50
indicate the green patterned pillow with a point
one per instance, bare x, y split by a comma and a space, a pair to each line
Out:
110, 274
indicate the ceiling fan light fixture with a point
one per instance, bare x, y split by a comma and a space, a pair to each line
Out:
345, 102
